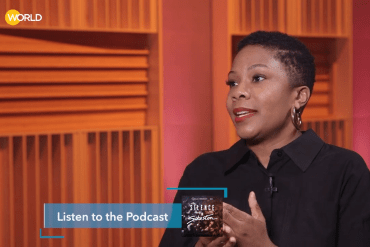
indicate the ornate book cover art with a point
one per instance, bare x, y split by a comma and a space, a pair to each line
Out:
201, 216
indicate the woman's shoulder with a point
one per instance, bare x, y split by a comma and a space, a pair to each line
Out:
212, 160
343, 156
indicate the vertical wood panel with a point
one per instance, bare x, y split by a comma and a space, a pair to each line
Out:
270, 11
11, 193
153, 15
7, 4
330, 132
31, 195
98, 181
63, 180
45, 163
50, 179
347, 7
313, 16
340, 133
132, 182
120, 180
253, 15
143, 181
156, 170
242, 14
76, 182
107, 16
338, 17
321, 16
38, 188
328, 16
141, 14
304, 16
110, 180
25, 191
262, 17
281, 16
118, 13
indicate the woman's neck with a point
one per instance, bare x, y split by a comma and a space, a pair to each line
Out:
264, 149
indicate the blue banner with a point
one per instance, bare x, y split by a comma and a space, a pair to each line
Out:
112, 215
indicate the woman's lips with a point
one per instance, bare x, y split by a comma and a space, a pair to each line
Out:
242, 113
240, 119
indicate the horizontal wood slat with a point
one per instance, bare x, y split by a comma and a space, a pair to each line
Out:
21, 123
71, 90
315, 111
58, 86
318, 99
77, 61
72, 76
14, 44
72, 105
297, 17
321, 87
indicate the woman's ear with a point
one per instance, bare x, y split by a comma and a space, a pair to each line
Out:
302, 96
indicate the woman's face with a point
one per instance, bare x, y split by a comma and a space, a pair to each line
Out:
260, 97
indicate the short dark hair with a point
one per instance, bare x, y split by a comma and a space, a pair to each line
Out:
290, 51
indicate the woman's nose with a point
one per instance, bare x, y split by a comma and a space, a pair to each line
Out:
241, 92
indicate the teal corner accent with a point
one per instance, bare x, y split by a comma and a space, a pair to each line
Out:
50, 236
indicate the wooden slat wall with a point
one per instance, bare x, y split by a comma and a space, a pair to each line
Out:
332, 131
302, 17
101, 166
88, 66
46, 85
94, 15
321, 101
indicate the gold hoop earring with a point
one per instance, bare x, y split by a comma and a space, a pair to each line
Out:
296, 118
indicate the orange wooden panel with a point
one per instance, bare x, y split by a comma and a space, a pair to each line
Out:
241, 16
25, 190
221, 57
49, 178
131, 171
5, 194
109, 191
72, 121
315, 112
318, 99
321, 87
121, 189
129, 13
77, 61
72, 76
11, 193
253, 15
322, 77
80, 14
38, 187
143, 179
72, 105
63, 179
38, 45
73, 90
54, 156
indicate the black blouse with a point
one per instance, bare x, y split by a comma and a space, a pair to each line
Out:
311, 194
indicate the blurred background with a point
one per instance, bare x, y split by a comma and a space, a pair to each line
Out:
107, 101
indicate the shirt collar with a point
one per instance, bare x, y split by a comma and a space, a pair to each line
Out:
302, 151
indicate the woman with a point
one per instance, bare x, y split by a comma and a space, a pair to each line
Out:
286, 187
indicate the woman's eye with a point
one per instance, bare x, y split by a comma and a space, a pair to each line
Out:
231, 83
258, 78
